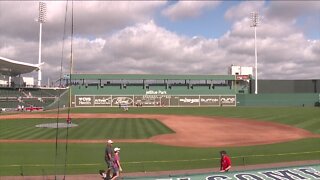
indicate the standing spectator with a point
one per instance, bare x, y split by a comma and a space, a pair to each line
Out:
225, 163
19, 108
117, 166
109, 159
69, 120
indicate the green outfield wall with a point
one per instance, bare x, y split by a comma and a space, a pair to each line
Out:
153, 98
158, 100
287, 86
279, 99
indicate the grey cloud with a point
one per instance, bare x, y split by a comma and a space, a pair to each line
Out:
91, 18
103, 17
17, 19
290, 10
144, 47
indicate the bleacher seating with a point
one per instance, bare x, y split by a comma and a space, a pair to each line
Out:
173, 89
12, 98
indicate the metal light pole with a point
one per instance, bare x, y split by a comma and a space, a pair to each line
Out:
41, 20
254, 23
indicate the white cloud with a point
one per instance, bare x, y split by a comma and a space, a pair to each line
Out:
188, 9
148, 48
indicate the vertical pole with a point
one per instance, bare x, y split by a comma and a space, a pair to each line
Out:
39, 60
71, 58
256, 60
70, 81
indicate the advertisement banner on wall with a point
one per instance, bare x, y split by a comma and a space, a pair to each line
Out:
209, 100
122, 100
228, 100
102, 101
184, 101
146, 100
84, 100
154, 100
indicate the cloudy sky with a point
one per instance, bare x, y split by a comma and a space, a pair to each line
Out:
166, 37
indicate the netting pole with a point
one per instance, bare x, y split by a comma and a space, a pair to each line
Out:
69, 108
60, 85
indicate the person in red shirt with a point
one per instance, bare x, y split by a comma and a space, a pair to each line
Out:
225, 163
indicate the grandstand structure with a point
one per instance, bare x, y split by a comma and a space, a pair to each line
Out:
158, 90
90, 90
19, 93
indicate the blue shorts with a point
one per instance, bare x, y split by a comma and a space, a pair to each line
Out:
115, 169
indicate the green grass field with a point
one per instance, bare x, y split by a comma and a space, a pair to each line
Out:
36, 159
41, 159
87, 129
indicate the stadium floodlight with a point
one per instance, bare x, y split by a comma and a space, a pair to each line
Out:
41, 19
254, 23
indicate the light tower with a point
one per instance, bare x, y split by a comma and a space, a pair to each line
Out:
41, 20
254, 23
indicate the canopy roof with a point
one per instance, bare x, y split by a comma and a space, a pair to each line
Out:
150, 77
13, 68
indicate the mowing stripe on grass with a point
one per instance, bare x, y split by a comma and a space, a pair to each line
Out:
147, 129
20, 134
128, 129
123, 128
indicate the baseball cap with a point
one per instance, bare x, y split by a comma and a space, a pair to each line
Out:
110, 141
116, 149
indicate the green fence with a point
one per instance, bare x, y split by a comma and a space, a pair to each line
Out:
292, 99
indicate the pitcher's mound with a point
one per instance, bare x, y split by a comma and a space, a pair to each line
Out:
56, 125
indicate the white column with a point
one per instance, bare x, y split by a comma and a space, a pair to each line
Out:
39, 60
256, 60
